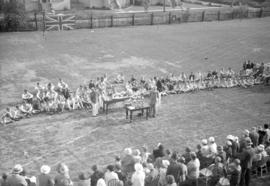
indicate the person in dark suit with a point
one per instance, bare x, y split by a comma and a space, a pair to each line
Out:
246, 158
254, 136
175, 168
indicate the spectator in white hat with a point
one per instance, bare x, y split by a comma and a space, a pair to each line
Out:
205, 148
162, 172
212, 146
127, 162
138, 176
15, 179
44, 179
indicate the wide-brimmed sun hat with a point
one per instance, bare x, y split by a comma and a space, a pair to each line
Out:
211, 139
45, 169
17, 169
230, 137
204, 141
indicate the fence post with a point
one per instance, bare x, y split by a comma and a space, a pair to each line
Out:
233, 14
218, 15
203, 14
152, 18
261, 12
169, 17
112, 21
35, 14
133, 19
91, 22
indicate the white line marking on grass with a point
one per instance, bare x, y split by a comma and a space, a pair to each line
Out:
61, 146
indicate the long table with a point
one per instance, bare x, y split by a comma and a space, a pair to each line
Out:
106, 103
130, 110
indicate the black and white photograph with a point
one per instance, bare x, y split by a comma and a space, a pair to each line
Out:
134, 92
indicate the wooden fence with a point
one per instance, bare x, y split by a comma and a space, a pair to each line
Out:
154, 18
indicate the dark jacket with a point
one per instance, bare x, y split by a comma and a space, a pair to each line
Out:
254, 136
95, 177
45, 180
16, 180
246, 157
175, 169
235, 178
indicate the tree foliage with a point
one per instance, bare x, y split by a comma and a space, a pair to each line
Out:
14, 16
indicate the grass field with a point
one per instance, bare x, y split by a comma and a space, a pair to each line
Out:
77, 56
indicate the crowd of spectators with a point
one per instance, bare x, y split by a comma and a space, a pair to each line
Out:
230, 164
53, 99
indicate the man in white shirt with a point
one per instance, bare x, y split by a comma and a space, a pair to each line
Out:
110, 174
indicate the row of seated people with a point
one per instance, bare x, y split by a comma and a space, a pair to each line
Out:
53, 99
213, 79
231, 164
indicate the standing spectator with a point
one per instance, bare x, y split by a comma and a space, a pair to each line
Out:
235, 172
218, 171
228, 149
243, 140
15, 179
183, 166
3, 181
96, 175
138, 176
254, 136
117, 161
205, 148
152, 178
110, 174
44, 179
212, 146
174, 168
83, 180
246, 158
162, 173
233, 145
119, 173
187, 154
63, 178
221, 154
127, 163
170, 180
137, 156
159, 151
262, 135
145, 154
193, 169
199, 152
267, 132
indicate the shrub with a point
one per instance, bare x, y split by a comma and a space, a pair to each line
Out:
14, 16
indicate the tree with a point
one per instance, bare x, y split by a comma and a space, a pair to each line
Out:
14, 15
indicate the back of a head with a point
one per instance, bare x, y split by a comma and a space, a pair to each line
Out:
170, 179
94, 168
110, 168
82, 176
174, 155
62, 168
4, 176
193, 155
266, 126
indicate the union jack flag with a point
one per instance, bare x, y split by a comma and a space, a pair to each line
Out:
59, 22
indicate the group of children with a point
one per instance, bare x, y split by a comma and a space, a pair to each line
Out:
52, 99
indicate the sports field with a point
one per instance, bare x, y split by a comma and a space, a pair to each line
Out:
77, 56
